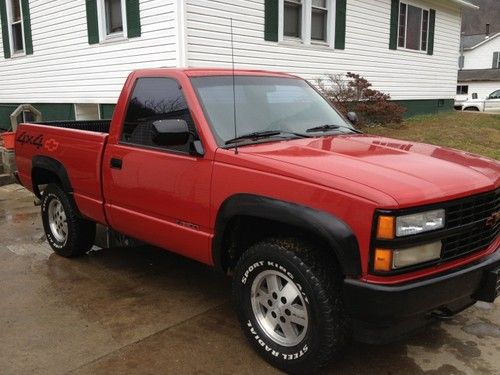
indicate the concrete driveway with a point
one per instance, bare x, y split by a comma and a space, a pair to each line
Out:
142, 310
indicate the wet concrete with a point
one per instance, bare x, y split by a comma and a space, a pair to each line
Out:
141, 310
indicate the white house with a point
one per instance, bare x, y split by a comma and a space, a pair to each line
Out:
69, 58
479, 64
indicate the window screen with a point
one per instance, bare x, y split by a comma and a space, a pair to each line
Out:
293, 18
155, 99
319, 20
114, 20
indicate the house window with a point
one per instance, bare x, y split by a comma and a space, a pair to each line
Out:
86, 112
307, 21
462, 89
16, 26
496, 60
292, 18
112, 21
319, 20
413, 27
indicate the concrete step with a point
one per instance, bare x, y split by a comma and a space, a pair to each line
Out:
6, 179
1, 168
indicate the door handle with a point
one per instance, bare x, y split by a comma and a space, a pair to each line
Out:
116, 163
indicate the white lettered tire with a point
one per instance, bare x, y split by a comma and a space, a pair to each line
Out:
289, 304
67, 232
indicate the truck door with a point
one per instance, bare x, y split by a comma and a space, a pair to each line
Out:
158, 194
492, 103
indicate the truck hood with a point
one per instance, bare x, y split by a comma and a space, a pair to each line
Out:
406, 171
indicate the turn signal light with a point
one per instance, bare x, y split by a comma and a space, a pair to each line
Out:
383, 260
385, 227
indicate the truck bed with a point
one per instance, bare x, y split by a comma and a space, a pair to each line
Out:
77, 146
99, 126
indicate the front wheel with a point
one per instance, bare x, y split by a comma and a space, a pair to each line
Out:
289, 304
67, 232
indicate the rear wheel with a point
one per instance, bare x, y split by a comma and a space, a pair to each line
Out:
67, 232
289, 304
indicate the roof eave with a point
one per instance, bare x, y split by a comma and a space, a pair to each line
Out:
465, 4
482, 42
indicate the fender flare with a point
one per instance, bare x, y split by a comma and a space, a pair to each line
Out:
337, 234
51, 165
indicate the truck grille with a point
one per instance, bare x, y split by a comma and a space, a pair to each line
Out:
475, 215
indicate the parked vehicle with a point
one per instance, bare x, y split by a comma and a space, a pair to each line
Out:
489, 104
329, 233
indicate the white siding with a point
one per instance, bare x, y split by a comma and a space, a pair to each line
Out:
482, 57
66, 69
483, 89
403, 74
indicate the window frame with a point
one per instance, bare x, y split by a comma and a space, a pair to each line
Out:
422, 8
101, 22
11, 34
306, 25
158, 148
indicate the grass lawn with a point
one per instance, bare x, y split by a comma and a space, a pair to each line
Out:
473, 132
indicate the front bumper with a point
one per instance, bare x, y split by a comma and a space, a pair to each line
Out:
383, 313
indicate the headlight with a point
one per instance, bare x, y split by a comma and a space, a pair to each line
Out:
419, 223
388, 260
389, 226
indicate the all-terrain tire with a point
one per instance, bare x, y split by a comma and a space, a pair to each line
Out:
78, 235
319, 283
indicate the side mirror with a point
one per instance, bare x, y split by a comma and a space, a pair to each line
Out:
170, 132
353, 117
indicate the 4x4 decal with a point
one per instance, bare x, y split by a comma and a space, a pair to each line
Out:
34, 140
50, 145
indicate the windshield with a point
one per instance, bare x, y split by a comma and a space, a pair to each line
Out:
289, 105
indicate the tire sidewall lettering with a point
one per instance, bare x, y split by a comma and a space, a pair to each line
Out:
275, 353
268, 264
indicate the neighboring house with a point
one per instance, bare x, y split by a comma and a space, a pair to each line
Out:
69, 58
479, 64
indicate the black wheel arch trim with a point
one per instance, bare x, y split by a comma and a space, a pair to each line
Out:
339, 236
51, 165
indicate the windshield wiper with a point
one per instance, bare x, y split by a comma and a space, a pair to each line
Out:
264, 134
328, 127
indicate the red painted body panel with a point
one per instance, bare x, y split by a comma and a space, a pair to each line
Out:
81, 154
172, 200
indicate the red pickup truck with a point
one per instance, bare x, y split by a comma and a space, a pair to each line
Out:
329, 233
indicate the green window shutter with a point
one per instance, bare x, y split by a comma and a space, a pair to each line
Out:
432, 24
28, 40
5, 29
340, 23
133, 19
495, 60
271, 18
393, 39
92, 21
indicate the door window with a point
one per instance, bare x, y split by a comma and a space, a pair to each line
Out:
155, 99
495, 95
